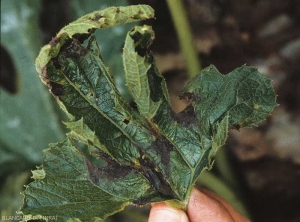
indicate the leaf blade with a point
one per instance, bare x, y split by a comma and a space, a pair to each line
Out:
55, 195
96, 20
165, 155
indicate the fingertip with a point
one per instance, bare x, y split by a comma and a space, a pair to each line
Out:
235, 214
161, 212
202, 207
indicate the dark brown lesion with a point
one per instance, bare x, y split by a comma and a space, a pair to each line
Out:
82, 37
62, 37
146, 168
96, 17
150, 171
190, 97
56, 89
187, 117
73, 50
114, 170
158, 183
111, 171
163, 148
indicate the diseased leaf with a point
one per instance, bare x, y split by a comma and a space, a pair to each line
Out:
246, 94
87, 24
156, 160
110, 40
71, 187
136, 69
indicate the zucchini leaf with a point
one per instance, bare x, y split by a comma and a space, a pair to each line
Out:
20, 37
155, 159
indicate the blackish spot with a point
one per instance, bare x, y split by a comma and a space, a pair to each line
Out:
8, 75
96, 18
187, 117
115, 170
112, 171
57, 89
73, 50
56, 40
91, 31
156, 179
56, 63
142, 42
105, 157
163, 149
188, 96
118, 10
156, 93
126, 121
81, 37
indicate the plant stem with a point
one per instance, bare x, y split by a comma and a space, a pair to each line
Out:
224, 167
207, 179
185, 36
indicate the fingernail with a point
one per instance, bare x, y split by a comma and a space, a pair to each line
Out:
167, 215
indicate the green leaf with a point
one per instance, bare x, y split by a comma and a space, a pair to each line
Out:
156, 160
28, 119
246, 94
71, 187
136, 74
110, 40
87, 24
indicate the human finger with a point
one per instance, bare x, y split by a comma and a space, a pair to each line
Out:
161, 212
202, 207
236, 215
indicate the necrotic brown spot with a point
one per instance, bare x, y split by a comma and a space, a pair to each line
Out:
96, 17
188, 96
111, 171
187, 117
57, 89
